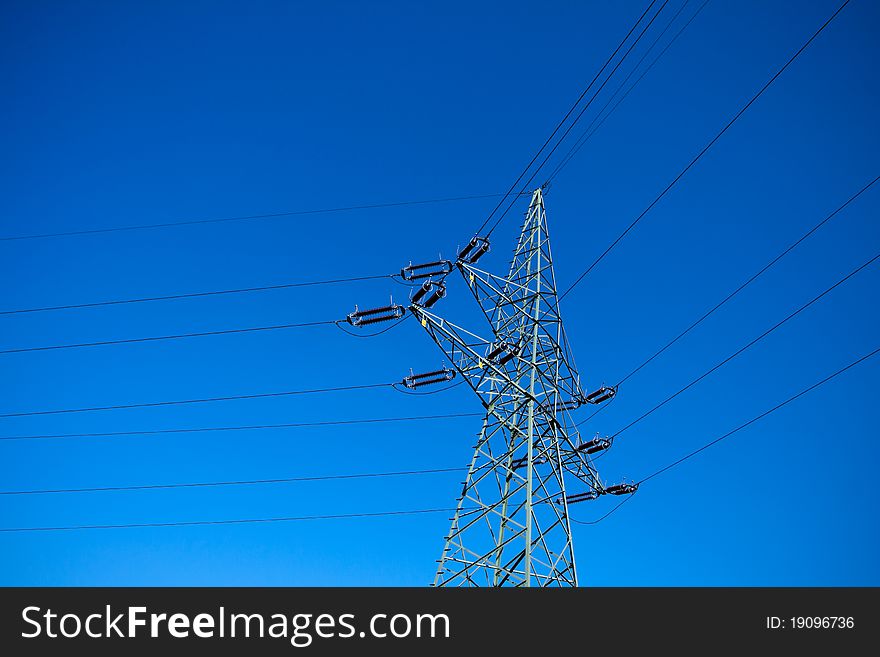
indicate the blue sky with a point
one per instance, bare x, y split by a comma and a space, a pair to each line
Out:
122, 114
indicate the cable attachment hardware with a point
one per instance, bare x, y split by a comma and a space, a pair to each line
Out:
570, 404
579, 497
601, 395
474, 250
429, 293
622, 489
414, 381
595, 445
502, 353
376, 315
427, 270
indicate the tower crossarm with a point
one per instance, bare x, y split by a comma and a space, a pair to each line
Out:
507, 305
497, 385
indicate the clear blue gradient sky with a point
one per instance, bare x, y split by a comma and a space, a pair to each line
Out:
127, 113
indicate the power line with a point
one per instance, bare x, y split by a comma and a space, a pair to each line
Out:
600, 519
730, 433
193, 295
274, 215
750, 344
203, 400
340, 325
596, 123
730, 296
401, 388
251, 427
193, 523
702, 152
750, 280
384, 474
580, 114
389, 474
157, 338
603, 407
761, 416
286, 393
246, 482
564, 118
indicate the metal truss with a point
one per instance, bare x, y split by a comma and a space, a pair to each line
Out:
511, 526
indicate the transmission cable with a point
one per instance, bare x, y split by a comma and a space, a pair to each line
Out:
600, 519
750, 280
203, 400
158, 338
399, 387
579, 115
193, 295
384, 474
762, 415
599, 120
339, 324
244, 482
564, 118
702, 152
249, 427
391, 474
730, 296
750, 344
717, 440
242, 521
274, 215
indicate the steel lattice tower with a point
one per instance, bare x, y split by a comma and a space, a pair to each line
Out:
511, 526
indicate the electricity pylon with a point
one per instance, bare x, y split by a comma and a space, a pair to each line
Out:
511, 526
